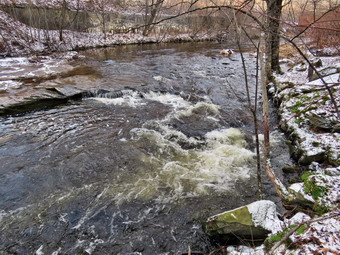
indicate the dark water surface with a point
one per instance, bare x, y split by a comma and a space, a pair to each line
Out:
137, 174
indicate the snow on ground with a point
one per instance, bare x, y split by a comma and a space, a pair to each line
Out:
302, 104
307, 111
298, 73
320, 237
71, 4
309, 117
19, 39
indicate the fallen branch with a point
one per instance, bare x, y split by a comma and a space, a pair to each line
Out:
292, 231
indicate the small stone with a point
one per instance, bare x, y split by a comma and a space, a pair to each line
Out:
290, 169
332, 171
311, 156
336, 128
317, 62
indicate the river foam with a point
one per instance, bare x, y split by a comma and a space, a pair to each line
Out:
209, 164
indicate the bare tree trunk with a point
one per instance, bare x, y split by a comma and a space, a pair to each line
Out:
62, 20
256, 127
274, 8
151, 12
104, 23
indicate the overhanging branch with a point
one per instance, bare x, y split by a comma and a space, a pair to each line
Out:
230, 7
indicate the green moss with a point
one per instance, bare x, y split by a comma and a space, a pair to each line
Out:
325, 99
306, 175
321, 209
314, 190
311, 187
301, 230
240, 215
298, 121
296, 107
309, 109
306, 98
269, 242
277, 237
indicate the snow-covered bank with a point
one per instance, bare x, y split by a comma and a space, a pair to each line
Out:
308, 117
307, 112
18, 39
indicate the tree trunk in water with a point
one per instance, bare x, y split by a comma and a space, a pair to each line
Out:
278, 185
274, 8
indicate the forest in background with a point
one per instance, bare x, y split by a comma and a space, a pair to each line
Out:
56, 24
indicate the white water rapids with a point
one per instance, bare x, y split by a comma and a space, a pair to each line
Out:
219, 161
135, 174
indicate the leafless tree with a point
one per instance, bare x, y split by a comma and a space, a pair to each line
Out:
152, 9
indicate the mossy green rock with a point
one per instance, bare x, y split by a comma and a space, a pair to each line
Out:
242, 221
300, 197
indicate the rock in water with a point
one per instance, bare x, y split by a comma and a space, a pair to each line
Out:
255, 220
226, 52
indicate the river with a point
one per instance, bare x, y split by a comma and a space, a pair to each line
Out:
137, 170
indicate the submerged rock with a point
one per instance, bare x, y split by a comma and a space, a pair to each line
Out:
255, 220
290, 169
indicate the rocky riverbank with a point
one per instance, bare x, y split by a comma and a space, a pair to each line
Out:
25, 82
310, 121
308, 117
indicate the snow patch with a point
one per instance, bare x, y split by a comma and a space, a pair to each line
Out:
39, 251
264, 215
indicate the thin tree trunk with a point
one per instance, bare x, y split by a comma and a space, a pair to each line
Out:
253, 109
62, 20
151, 17
256, 127
278, 185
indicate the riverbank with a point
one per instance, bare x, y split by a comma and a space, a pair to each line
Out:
19, 39
308, 118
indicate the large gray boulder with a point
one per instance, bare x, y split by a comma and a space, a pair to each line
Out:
255, 220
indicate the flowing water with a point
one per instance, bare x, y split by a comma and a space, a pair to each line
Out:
136, 173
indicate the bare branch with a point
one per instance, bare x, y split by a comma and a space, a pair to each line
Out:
292, 231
